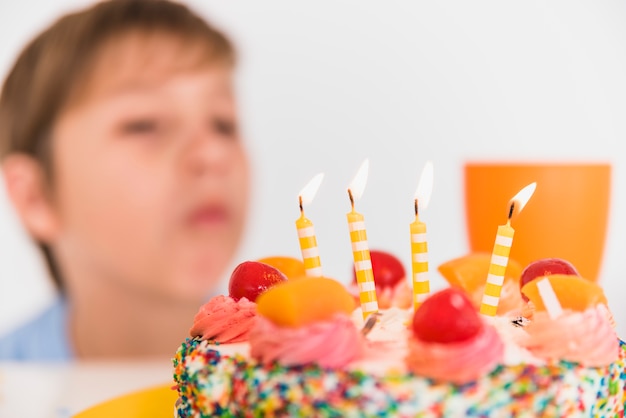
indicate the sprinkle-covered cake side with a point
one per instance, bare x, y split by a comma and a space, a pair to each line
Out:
211, 384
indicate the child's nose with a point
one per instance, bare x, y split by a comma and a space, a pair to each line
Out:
207, 152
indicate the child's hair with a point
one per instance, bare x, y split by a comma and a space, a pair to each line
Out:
55, 65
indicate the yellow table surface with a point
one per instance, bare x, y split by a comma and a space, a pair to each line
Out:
154, 402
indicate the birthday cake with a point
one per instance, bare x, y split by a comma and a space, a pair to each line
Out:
299, 347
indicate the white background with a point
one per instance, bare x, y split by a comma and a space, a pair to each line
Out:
325, 84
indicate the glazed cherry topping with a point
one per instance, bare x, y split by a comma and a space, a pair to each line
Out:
387, 269
447, 316
251, 278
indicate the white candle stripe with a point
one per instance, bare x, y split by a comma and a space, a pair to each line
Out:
420, 258
314, 272
420, 277
367, 286
370, 306
495, 279
356, 226
504, 240
550, 300
499, 260
421, 297
359, 246
490, 300
418, 237
363, 265
310, 252
309, 231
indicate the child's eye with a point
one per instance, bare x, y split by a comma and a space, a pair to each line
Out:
224, 126
139, 126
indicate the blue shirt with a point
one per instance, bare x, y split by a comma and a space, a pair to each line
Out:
44, 338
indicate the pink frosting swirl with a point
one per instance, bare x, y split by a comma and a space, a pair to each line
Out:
459, 362
333, 343
224, 320
585, 337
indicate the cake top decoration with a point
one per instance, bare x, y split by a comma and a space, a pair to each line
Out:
304, 301
291, 267
573, 292
251, 278
447, 316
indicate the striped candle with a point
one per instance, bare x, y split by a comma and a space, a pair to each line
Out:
306, 231
419, 243
360, 248
362, 264
500, 253
419, 262
497, 268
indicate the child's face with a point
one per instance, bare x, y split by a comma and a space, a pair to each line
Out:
150, 175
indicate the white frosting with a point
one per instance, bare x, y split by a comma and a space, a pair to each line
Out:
512, 336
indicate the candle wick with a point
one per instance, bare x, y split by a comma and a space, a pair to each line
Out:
351, 198
417, 212
511, 209
300, 204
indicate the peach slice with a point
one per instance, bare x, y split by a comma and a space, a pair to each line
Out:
304, 301
469, 272
291, 267
573, 292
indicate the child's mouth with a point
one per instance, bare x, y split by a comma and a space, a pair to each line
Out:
209, 216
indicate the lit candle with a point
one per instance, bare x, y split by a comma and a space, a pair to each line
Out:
360, 249
500, 253
419, 243
306, 231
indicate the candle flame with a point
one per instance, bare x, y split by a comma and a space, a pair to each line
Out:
308, 192
425, 186
517, 203
357, 186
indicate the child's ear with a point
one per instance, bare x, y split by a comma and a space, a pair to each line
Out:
27, 189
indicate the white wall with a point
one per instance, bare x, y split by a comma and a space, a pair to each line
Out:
326, 84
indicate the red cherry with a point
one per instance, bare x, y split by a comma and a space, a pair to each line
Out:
545, 267
447, 316
251, 278
387, 269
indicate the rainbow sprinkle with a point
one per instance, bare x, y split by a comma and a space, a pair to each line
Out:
214, 385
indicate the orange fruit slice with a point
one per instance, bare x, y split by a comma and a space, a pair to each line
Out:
304, 301
469, 272
573, 292
291, 267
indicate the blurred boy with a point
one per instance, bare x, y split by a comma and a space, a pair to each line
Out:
121, 153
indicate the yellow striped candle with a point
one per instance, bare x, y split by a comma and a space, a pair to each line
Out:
500, 253
306, 231
360, 248
419, 243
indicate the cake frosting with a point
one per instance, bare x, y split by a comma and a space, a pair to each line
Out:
583, 337
326, 365
333, 343
224, 320
460, 362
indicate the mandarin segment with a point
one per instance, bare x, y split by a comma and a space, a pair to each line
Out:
291, 267
573, 292
304, 301
469, 272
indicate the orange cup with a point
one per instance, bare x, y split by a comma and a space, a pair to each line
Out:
566, 217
